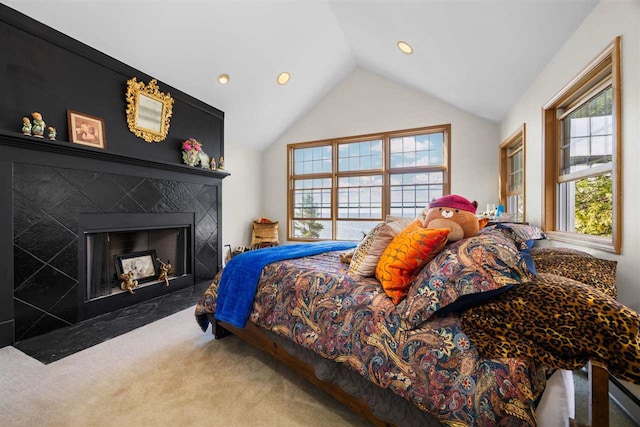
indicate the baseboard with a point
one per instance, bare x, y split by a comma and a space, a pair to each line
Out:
7, 336
626, 400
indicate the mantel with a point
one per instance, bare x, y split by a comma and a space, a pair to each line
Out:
17, 140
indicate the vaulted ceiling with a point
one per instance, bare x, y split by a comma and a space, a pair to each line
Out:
477, 55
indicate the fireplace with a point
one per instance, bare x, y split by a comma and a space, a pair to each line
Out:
61, 215
139, 243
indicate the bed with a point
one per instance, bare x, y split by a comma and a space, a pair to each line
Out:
416, 363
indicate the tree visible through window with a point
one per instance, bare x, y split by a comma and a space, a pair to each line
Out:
340, 189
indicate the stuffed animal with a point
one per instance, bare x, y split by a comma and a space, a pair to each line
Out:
456, 213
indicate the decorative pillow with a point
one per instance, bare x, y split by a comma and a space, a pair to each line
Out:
579, 266
407, 253
476, 268
367, 254
522, 234
346, 257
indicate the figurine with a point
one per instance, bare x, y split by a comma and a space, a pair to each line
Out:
26, 126
38, 125
52, 133
213, 163
165, 271
221, 163
204, 160
128, 283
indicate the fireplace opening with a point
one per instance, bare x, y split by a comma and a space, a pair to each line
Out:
154, 251
141, 252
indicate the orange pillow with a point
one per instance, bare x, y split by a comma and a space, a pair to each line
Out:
405, 256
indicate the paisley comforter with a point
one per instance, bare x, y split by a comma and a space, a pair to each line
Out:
313, 302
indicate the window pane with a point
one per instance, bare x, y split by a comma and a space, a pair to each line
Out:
418, 150
411, 192
587, 135
354, 156
586, 206
360, 197
312, 198
310, 229
515, 205
312, 160
515, 177
353, 230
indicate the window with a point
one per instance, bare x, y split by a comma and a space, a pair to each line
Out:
582, 149
340, 189
512, 174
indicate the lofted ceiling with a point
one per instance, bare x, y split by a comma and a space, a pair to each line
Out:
477, 55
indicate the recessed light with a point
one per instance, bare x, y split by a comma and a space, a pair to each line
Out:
283, 78
223, 79
405, 47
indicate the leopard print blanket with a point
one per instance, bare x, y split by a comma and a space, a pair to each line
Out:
525, 321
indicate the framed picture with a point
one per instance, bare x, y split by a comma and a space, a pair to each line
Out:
142, 264
86, 130
148, 110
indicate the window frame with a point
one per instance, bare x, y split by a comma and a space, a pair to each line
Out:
519, 137
386, 171
602, 70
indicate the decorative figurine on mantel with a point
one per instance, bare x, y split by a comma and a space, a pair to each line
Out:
128, 282
221, 163
204, 160
26, 126
38, 125
213, 163
191, 149
165, 270
52, 133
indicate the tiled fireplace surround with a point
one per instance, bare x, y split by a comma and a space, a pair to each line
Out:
46, 203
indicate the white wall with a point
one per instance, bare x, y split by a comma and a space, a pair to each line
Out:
608, 20
240, 194
365, 102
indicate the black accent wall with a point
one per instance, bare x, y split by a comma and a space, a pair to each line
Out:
44, 70
45, 185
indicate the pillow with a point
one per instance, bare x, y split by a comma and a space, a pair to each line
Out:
346, 257
577, 265
476, 268
405, 256
366, 256
522, 234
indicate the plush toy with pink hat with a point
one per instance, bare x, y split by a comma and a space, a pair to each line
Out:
456, 213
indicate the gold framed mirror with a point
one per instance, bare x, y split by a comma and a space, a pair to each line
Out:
148, 110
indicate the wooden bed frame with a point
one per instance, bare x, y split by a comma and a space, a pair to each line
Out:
598, 376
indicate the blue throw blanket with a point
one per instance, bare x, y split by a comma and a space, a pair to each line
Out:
239, 281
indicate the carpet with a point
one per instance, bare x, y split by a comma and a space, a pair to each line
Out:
167, 373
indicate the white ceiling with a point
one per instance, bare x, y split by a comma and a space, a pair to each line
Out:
477, 55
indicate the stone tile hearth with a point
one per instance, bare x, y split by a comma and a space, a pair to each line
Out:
70, 339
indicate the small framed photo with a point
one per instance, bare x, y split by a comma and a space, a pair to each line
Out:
142, 264
86, 130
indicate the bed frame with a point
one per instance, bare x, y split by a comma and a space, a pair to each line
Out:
598, 404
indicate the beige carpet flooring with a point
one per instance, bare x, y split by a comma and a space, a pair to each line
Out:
167, 373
